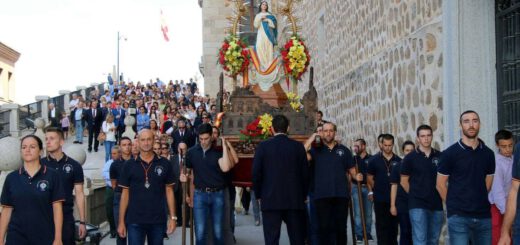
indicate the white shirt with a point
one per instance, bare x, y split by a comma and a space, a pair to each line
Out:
73, 103
111, 135
106, 172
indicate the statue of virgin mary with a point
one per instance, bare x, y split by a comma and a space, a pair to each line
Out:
266, 36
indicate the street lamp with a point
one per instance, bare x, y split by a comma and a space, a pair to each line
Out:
119, 37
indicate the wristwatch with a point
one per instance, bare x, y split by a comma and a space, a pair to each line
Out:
82, 222
173, 218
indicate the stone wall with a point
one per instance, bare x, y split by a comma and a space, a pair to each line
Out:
214, 23
378, 65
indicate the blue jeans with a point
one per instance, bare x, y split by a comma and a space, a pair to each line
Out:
79, 131
367, 208
108, 149
152, 233
256, 206
426, 226
117, 200
464, 229
206, 204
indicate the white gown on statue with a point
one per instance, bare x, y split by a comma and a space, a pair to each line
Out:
264, 47
265, 51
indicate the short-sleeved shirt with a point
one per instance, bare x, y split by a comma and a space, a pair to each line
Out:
146, 204
381, 168
516, 169
71, 174
115, 172
422, 173
362, 164
467, 169
330, 171
206, 170
31, 199
401, 199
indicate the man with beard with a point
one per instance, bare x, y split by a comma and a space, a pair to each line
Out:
332, 163
71, 174
380, 167
469, 166
147, 184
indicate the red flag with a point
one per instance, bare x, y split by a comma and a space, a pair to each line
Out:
164, 28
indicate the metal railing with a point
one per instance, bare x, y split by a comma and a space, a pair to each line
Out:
28, 113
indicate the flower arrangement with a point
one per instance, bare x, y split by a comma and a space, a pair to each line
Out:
296, 57
294, 101
233, 56
259, 128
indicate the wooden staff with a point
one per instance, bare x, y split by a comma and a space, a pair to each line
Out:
361, 207
352, 223
192, 239
184, 192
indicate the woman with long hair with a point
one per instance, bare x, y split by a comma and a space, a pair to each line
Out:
110, 129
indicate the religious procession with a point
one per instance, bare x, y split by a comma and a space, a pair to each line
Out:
334, 165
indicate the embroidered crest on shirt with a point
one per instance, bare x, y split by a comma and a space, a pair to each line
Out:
67, 168
394, 163
435, 161
340, 152
42, 185
159, 170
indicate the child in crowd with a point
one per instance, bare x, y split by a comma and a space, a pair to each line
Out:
65, 124
501, 182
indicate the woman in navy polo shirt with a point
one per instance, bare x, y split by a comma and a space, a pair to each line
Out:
32, 199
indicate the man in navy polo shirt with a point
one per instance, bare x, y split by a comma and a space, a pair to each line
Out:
209, 181
71, 174
361, 159
379, 169
332, 162
418, 179
469, 166
147, 184
115, 174
512, 205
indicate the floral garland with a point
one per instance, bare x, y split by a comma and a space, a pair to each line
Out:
233, 56
294, 101
296, 57
259, 128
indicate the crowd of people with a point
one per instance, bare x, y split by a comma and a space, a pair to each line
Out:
309, 186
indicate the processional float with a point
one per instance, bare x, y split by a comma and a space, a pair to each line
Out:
258, 72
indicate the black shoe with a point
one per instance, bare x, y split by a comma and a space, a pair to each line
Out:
81, 143
89, 150
95, 150
75, 142
165, 236
370, 238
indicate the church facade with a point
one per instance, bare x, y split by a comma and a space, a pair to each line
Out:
389, 66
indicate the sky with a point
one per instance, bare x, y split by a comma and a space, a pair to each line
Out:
70, 43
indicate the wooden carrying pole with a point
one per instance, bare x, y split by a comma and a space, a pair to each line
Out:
184, 193
361, 207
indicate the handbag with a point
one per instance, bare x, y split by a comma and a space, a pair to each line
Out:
102, 137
